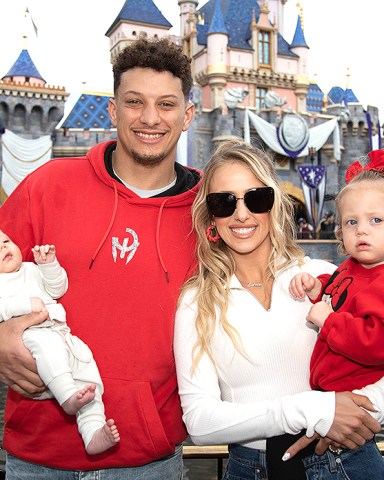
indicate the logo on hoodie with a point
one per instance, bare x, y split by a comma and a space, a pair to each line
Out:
125, 248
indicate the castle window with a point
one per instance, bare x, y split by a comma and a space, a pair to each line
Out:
260, 96
264, 48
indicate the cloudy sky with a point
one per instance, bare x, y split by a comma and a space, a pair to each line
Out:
71, 48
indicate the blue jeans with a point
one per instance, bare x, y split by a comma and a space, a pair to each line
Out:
365, 463
246, 464
170, 468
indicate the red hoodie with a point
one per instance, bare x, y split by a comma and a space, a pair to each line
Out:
123, 307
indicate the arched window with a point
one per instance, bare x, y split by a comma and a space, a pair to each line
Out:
36, 119
19, 116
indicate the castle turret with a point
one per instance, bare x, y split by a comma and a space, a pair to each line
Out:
299, 47
136, 18
187, 10
27, 104
217, 42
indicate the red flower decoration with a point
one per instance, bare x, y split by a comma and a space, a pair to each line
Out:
376, 163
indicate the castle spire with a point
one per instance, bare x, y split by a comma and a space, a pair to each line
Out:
299, 38
217, 24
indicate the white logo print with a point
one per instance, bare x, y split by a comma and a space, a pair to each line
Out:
125, 248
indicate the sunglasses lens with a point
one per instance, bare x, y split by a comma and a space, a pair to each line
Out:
260, 200
221, 204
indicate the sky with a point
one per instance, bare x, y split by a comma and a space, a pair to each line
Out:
71, 48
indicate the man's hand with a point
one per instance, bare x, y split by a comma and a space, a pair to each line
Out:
351, 427
17, 366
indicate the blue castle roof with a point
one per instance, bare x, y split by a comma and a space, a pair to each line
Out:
24, 67
283, 47
237, 17
142, 11
90, 111
339, 95
217, 24
298, 38
314, 98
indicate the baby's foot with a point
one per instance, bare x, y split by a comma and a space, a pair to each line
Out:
104, 438
79, 399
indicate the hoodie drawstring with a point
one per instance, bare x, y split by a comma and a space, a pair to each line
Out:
109, 226
158, 240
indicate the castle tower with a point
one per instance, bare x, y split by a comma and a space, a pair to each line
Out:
217, 42
137, 18
187, 10
299, 47
29, 106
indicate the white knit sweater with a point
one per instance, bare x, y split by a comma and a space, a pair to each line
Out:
245, 401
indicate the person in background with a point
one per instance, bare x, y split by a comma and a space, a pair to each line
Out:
241, 345
327, 227
64, 362
349, 311
124, 211
304, 229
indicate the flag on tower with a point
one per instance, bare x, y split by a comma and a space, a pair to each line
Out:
28, 14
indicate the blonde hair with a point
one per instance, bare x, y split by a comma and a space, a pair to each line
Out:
364, 176
216, 265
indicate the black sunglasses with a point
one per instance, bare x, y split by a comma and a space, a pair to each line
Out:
257, 200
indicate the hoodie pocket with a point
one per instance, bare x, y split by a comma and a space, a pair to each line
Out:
132, 405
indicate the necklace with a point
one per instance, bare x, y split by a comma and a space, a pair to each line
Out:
252, 284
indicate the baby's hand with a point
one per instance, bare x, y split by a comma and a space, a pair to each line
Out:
302, 284
37, 305
44, 253
319, 313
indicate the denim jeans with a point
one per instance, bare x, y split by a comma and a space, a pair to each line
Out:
245, 464
170, 468
365, 463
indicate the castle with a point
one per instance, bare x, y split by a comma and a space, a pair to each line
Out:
249, 82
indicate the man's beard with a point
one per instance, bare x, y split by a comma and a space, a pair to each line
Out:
147, 160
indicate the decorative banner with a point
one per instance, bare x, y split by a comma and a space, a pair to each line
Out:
313, 181
20, 157
374, 140
318, 136
293, 134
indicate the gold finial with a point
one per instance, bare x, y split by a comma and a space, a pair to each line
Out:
348, 76
301, 14
253, 18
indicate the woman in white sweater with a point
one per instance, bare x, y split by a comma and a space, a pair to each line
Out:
242, 345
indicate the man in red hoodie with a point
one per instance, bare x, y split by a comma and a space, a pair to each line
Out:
121, 219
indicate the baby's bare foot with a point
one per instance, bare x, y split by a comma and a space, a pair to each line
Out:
79, 399
104, 438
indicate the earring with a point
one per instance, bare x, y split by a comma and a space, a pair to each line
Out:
212, 233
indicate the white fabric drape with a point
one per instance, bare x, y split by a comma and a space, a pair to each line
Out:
317, 135
21, 156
